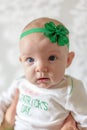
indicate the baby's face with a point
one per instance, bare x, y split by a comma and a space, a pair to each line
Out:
44, 62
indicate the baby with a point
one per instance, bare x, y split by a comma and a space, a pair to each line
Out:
47, 95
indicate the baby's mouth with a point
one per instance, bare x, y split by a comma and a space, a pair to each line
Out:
42, 80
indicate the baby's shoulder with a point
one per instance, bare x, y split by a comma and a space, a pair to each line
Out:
73, 81
76, 85
17, 81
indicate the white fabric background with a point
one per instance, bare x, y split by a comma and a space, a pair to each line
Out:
15, 14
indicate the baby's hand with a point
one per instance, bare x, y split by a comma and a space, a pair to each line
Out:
69, 124
9, 120
11, 111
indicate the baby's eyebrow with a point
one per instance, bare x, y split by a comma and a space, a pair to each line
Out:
26, 54
55, 51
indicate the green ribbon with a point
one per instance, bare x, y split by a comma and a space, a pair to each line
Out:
56, 34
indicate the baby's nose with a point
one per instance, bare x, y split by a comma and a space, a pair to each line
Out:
42, 67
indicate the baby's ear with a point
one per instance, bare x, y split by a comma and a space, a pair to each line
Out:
70, 58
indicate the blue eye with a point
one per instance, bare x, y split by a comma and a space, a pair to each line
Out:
30, 60
52, 58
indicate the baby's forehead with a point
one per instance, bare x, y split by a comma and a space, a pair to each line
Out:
43, 46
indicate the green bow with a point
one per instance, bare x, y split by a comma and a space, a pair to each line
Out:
57, 34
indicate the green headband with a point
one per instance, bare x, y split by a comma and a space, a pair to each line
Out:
56, 34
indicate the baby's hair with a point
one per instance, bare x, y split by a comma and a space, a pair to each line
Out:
39, 22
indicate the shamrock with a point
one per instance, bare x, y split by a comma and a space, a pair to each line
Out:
57, 33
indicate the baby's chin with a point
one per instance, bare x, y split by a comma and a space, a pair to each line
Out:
40, 84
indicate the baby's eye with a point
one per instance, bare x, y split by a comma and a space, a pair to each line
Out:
30, 60
52, 58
